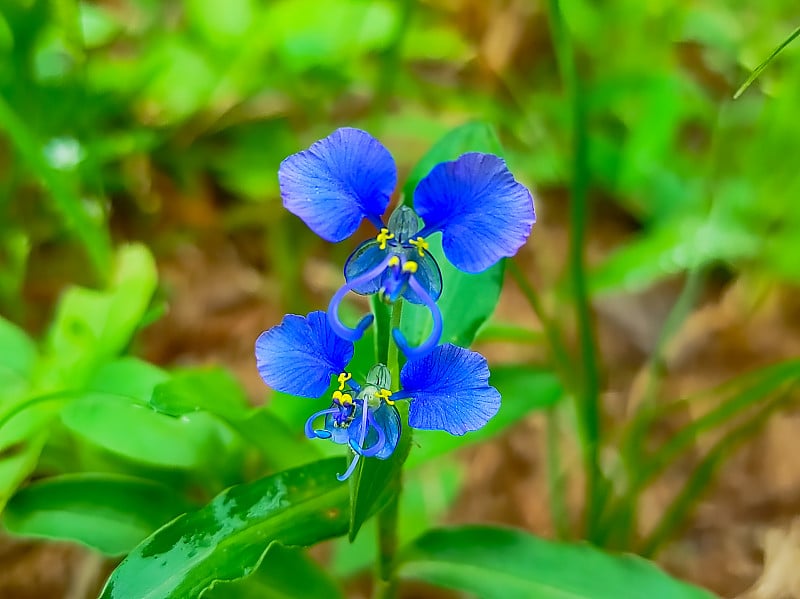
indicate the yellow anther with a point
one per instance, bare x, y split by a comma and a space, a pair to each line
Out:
343, 378
410, 266
383, 237
343, 398
394, 261
385, 394
420, 244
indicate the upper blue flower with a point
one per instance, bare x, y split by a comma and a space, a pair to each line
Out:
482, 212
448, 389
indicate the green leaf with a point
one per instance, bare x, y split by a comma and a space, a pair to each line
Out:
93, 326
109, 513
17, 357
522, 390
470, 137
760, 68
375, 481
135, 431
285, 573
212, 390
129, 377
227, 539
217, 392
508, 564
467, 300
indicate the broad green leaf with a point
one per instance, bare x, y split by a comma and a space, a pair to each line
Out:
227, 539
467, 300
212, 390
17, 357
92, 326
281, 447
217, 392
285, 573
129, 377
508, 564
522, 390
21, 443
109, 513
470, 137
129, 429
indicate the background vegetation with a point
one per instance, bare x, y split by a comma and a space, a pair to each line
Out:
644, 342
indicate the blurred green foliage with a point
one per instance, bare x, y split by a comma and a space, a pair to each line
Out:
111, 113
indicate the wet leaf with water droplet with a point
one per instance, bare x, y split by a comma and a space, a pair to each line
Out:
227, 539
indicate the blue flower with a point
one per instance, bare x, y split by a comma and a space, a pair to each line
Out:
482, 212
447, 390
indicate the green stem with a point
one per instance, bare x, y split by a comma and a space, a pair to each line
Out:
391, 65
588, 401
393, 352
387, 539
386, 584
703, 474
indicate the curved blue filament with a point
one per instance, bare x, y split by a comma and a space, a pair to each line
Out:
363, 435
313, 433
376, 448
422, 350
337, 325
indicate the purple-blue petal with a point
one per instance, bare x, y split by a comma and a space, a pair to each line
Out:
363, 259
449, 390
337, 182
428, 276
368, 255
299, 355
388, 419
484, 214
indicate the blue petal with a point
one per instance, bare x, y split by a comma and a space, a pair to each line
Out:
484, 214
363, 259
337, 182
368, 255
428, 276
299, 355
449, 390
388, 418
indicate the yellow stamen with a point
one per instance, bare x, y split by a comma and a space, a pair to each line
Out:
383, 237
343, 398
343, 378
410, 266
385, 394
420, 244
394, 261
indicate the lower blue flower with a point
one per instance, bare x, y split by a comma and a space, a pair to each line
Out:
448, 389
362, 417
